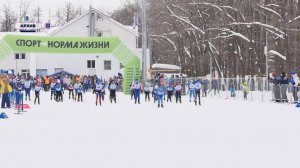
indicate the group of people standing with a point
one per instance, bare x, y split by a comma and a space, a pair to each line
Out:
160, 92
283, 84
75, 85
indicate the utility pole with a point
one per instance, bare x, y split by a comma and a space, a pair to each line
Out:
144, 39
267, 62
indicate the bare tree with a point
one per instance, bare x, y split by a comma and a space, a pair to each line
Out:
24, 7
8, 19
59, 18
37, 14
233, 33
69, 12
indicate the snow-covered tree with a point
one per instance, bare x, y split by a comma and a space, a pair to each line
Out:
233, 33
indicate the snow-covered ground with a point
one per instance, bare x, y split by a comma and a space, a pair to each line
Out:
219, 134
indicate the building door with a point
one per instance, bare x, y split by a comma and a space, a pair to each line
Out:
25, 72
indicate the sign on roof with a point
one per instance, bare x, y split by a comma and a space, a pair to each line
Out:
75, 45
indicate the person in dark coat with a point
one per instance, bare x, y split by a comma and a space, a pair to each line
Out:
284, 86
276, 81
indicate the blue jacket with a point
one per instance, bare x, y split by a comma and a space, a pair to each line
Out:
160, 92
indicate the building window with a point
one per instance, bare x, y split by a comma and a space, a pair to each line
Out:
20, 56
91, 64
107, 65
17, 56
99, 34
23, 56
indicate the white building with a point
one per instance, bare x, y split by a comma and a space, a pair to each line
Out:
91, 24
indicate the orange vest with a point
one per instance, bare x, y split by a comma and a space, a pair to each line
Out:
47, 81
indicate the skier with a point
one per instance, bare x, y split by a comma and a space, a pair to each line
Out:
197, 91
160, 96
191, 90
47, 83
132, 90
154, 91
178, 89
19, 89
232, 90
76, 87
98, 91
37, 89
85, 84
112, 91
71, 90
205, 87
294, 82
137, 88
52, 88
27, 87
245, 89
147, 91
59, 91
170, 90
214, 86
80, 90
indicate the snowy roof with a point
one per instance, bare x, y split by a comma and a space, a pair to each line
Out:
128, 28
45, 32
165, 66
2, 34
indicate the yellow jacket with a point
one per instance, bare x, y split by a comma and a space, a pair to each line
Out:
5, 88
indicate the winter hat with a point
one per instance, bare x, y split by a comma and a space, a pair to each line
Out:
293, 72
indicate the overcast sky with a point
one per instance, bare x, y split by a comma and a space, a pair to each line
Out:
53, 5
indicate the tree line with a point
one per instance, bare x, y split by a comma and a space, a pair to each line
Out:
234, 35
231, 36
10, 15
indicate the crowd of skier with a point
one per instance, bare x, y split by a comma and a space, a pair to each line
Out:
73, 86
160, 90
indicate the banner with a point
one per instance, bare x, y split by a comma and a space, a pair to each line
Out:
74, 45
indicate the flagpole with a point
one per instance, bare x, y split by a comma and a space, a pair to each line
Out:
144, 40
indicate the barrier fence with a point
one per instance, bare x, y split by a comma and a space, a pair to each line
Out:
253, 89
